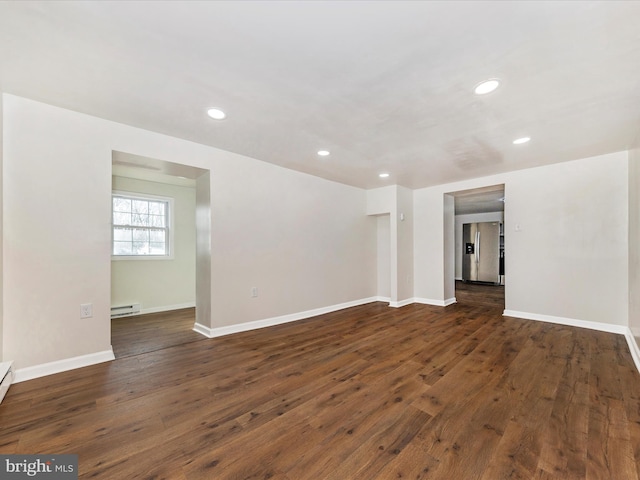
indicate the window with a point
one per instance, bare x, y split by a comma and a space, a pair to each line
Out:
140, 225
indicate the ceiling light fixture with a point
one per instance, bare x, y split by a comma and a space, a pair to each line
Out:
324, 153
520, 141
383, 175
487, 86
216, 114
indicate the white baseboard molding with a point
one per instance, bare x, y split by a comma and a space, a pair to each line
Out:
270, 322
36, 371
572, 322
167, 308
437, 303
383, 299
402, 303
633, 348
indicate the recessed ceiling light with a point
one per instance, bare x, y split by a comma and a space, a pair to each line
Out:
487, 86
324, 153
383, 175
216, 114
520, 141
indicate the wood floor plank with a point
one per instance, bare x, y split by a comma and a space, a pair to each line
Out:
369, 392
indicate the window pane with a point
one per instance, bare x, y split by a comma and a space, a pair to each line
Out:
141, 248
139, 219
122, 234
156, 208
140, 235
121, 218
121, 204
157, 236
122, 248
139, 206
156, 221
157, 248
140, 226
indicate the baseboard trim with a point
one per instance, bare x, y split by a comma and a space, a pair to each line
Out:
571, 322
167, 308
383, 299
42, 370
450, 301
270, 322
402, 303
430, 301
202, 330
633, 348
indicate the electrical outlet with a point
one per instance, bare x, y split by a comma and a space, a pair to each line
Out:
86, 310
254, 292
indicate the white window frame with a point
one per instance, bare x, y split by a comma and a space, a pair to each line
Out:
170, 237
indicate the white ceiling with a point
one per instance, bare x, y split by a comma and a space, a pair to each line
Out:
385, 86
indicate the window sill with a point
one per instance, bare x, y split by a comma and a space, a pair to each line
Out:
119, 258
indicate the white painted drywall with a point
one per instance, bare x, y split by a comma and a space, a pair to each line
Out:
634, 239
569, 257
160, 284
57, 189
449, 244
397, 201
404, 219
381, 200
428, 241
470, 218
304, 242
203, 250
384, 256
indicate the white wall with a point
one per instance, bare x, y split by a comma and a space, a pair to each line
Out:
397, 201
384, 256
568, 260
428, 241
405, 244
634, 239
203, 249
470, 218
303, 241
160, 284
448, 219
57, 188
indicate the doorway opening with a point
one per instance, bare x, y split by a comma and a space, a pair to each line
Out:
154, 297
478, 246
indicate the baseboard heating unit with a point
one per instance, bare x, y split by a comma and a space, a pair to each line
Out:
6, 373
125, 310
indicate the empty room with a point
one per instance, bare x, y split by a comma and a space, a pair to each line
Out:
320, 240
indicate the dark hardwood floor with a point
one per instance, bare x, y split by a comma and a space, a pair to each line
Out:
155, 331
479, 294
370, 392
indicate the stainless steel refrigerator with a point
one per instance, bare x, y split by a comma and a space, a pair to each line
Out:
481, 252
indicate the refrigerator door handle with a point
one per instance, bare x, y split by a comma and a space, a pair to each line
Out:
477, 247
